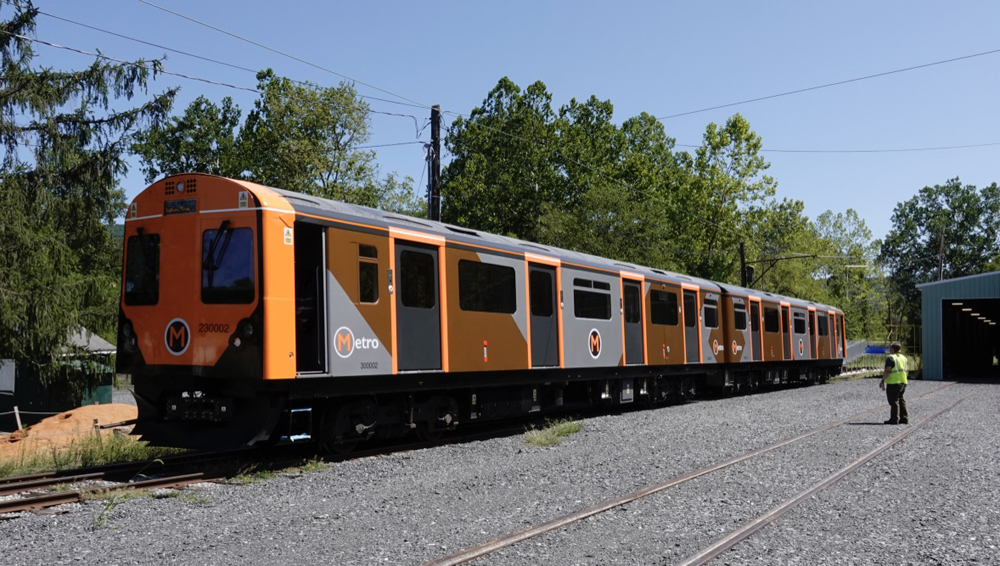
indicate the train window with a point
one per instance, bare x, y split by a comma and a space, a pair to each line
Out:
784, 320
633, 308
812, 323
824, 326
541, 293
755, 317
486, 287
416, 279
602, 285
367, 275
227, 276
711, 313
740, 316
589, 304
690, 309
583, 283
664, 308
142, 270
771, 323
799, 322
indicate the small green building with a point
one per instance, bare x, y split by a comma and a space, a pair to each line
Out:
86, 356
961, 337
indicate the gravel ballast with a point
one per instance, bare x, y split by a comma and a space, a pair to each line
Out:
928, 500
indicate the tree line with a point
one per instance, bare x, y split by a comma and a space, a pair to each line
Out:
572, 177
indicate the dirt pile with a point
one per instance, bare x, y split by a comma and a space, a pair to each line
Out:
59, 431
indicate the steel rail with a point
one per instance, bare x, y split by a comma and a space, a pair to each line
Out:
10, 488
505, 541
39, 501
729, 541
53, 499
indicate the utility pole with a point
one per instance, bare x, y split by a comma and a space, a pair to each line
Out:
434, 190
941, 256
743, 265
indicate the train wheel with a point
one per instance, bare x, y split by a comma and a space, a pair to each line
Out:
442, 413
342, 429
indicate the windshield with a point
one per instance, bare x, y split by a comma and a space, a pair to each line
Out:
227, 274
142, 269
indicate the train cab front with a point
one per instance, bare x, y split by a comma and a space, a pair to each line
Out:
194, 320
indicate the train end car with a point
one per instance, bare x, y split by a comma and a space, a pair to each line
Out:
194, 315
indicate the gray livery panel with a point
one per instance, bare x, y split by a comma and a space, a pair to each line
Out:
367, 355
576, 332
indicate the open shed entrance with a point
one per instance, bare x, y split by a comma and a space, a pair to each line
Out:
971, 339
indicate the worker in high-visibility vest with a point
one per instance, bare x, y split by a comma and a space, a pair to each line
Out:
894, 384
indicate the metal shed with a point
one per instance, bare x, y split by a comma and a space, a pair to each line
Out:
960, 331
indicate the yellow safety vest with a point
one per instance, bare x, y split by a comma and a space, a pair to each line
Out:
898, 373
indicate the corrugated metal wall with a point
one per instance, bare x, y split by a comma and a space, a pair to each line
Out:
985, 286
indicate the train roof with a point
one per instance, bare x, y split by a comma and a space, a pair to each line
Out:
317, 206
338, 210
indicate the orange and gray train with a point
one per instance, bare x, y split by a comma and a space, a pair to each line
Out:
256, 315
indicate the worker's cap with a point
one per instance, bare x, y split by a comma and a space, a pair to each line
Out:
896, 346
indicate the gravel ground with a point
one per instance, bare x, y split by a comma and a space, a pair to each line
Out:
928, 500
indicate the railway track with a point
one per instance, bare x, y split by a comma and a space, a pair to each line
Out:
35, 490
727, 542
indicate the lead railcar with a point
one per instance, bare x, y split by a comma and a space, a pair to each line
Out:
251, 314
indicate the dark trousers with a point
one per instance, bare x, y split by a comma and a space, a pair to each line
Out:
897, 404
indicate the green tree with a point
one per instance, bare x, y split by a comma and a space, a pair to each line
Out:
503, 166
619, 183
854, 282
204, 140
728, 181
65, 147
944, 231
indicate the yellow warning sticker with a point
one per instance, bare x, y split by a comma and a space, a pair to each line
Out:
288, 236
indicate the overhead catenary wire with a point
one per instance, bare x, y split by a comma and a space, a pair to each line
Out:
828, 85
283, 54
200, 57
159, 69
890, 150
154, 68
367, 97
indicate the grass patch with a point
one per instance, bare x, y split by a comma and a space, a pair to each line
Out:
117, 494
112, 498
190, 497
308, 467
252, 475
89, 450
553, 432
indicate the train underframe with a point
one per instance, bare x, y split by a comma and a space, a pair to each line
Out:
219, 413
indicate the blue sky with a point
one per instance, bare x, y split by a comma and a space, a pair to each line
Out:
662, 58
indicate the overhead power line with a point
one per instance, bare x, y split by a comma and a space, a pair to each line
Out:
283, 54
828, 85
200, 57
157, 69
897, 150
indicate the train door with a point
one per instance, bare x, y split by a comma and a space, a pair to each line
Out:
691, 326
632, 321
418, 312
310, 295
786, 335
755, 330
843, 337
544, 325
812, 334
831, 334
